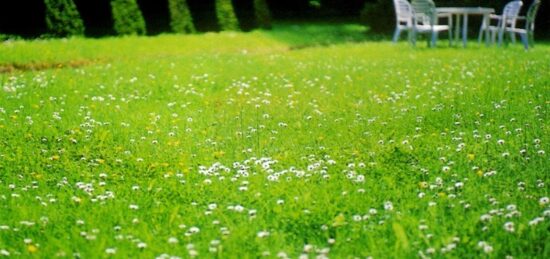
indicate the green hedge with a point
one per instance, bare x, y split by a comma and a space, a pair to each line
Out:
263, 16
127, 17
181, 20
62, 18
226, 16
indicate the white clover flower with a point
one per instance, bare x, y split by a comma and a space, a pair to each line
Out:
308, 248
536, 221
485, 217
212, 206
263, 234
509, 226
388, 205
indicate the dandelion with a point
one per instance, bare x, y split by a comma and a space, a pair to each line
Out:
543, 201
141, 245
133, 207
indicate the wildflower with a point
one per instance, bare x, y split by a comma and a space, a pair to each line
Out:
110, 251
263, 234
173, 240
543, 201
141, 245
509, 226
388, 205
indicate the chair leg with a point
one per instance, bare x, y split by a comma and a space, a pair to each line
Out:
412, 37
481, 31
434, 38
396, 34
524, 40
500, 37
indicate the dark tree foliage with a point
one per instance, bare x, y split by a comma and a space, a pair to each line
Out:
262, 13
127, 17
180, 17
226, 16
62, 18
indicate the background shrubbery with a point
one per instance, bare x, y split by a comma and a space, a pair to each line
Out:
180, 16
62, 18
263, 16
127, 17
226, 16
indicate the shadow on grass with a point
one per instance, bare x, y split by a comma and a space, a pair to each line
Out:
300, 35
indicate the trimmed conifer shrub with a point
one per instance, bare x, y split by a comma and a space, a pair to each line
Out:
181, 20
127, 17
263, 16
226, 16
62, 18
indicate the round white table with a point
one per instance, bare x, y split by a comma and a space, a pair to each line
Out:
465, 12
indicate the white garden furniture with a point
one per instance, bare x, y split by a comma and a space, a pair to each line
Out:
425, 20
464, 12
527, 33
505, 22
404, 18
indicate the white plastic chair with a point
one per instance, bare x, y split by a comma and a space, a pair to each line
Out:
426, 20
508, 19
404, 18
527, 33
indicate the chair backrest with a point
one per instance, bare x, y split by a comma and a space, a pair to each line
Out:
531, 14
424, 11
511, 12
403, 11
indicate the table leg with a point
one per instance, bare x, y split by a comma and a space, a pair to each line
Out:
486, 22
457, 28
465, 30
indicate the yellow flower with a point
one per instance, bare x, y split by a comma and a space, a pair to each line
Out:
471, 157
480, 173
32, 248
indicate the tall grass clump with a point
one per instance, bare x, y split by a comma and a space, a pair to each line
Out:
262, 13
62, 18
127, 17
226, 16
181, 20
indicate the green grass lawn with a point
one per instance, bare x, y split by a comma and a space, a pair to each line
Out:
304, 141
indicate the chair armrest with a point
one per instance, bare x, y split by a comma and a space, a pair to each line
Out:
495, 16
